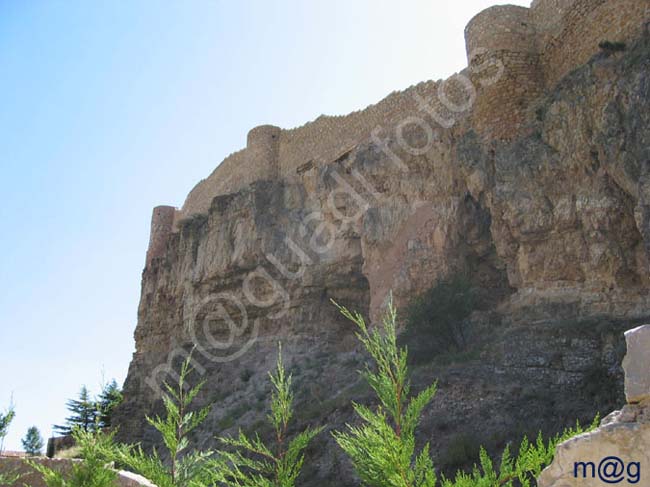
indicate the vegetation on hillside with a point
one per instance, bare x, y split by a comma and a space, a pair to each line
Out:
437, 320
381, 446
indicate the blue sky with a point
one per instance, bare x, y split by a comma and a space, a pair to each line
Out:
108, 109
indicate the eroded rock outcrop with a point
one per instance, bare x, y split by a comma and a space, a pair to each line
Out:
549, 220
619, 450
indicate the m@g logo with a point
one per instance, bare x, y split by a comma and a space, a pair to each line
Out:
610, 470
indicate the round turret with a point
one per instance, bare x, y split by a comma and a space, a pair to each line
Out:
162, 223
504, 68
263, 147
501, 28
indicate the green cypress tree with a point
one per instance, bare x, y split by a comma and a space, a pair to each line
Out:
33, 442
382, 449
184, 468
254, 464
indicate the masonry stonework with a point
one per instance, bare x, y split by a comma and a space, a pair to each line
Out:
515, 54
162, 221
569, 31
504, 36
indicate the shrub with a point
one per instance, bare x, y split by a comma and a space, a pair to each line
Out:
382, 449
462, 450
193, 222
436, 321
609, 46
523, 470
7, 479
602, 388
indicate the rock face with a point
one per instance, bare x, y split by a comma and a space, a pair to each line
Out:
618, 451
546, 208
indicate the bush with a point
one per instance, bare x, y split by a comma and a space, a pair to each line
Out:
436, 321
602, 389
462, 450
523, 469
612, 46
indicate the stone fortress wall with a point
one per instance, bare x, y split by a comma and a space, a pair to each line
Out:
530, 48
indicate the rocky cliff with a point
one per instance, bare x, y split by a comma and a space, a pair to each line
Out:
551, 220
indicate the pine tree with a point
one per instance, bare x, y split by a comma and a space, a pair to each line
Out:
109, 399
84, 414
33, 442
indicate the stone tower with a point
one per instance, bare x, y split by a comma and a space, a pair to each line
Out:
504, 66
263, 147
162, 223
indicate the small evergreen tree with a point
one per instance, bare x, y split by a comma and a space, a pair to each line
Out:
109, 399
184, 469
84, 414
254, 464
92, 471
33, 442
5, 421
382, 449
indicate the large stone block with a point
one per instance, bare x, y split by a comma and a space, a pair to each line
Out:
637, 365
616, 453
